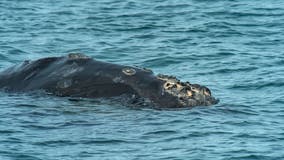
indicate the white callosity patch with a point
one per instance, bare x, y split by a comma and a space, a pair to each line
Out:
129, 71
187, 94
181, 90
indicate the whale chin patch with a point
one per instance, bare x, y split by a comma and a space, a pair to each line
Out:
129, 71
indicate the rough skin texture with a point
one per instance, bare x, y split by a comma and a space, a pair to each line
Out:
77, 75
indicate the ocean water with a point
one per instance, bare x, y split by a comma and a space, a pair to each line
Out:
236, 48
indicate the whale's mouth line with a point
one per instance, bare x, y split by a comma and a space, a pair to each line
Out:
187, 94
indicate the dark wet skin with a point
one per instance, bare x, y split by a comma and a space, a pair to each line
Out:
77, 75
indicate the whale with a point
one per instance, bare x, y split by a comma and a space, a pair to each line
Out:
78, 75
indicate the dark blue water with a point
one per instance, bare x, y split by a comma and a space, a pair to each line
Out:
236, 48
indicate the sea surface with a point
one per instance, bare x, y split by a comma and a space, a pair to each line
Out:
235, 47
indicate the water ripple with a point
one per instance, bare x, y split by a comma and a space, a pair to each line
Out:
233, 47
